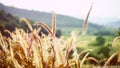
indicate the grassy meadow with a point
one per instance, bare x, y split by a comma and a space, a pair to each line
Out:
28, 49
23, 49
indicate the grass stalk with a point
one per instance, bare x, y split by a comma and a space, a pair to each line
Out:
54, 24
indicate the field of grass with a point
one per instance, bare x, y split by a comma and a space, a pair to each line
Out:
23, 49
29, 50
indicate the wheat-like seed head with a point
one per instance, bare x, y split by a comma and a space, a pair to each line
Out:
45, 27
85, 24
27, 22
54, 24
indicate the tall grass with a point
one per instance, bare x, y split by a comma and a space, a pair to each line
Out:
85, 24
29, 50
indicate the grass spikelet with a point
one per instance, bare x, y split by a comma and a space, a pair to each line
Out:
36, 57
54, 24
45, 27
61, 56
76, 57
115, 44
54, 55
114, 41
85, 24
24, 48
68, 49
3, 44
15, 62
11, 52
27, 22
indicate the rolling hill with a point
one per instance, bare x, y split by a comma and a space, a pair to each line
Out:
115, 24
64, 23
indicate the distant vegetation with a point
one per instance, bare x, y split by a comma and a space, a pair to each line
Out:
9, 22
64, 23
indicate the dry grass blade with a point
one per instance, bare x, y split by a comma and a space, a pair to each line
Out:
85, 51
54, 55
109, 59
3, 44
54, 23
38, 30
114, 41
61, 56
85, 24
45, 27
15, 62
24, 48
36, 57
27, 22
11, 52
81, 63
118, 57
92, 58
68, 49
8, 32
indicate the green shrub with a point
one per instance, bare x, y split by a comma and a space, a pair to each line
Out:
99, 41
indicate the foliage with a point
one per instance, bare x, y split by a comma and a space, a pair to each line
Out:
99, 41
102, 52
104, 32
9, 22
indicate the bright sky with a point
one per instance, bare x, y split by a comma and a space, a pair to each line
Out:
75, 8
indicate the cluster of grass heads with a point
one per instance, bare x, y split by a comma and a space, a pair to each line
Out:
29, 50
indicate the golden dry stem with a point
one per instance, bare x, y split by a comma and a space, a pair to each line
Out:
54, 24
27, 22
109, 59
85, 24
